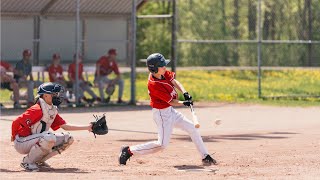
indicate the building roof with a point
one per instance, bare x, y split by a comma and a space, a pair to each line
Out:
66, 7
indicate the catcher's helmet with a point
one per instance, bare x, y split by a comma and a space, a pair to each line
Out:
52, 88
156, 60
49, 88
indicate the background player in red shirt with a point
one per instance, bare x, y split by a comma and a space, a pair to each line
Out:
55, 71
30, 131
8, 82
104, 67
84, 86
162, 87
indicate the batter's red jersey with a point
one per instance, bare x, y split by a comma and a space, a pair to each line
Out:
107, 66
22, 125
161, 91
72, 71
5, 65
57, 71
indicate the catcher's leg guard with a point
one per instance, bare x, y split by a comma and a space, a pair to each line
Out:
64, 140
41, 148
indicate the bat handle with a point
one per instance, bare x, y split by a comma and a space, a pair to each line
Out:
191, 108
194, 116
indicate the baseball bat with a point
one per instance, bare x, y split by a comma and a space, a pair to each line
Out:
194, 117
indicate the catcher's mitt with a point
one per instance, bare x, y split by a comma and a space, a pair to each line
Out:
110, 89
99, 126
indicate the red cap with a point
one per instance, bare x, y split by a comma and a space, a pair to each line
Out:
112, 51
26, 52
56, 56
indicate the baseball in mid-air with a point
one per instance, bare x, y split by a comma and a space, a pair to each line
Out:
217, 122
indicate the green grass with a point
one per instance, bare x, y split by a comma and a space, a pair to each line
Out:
235, 86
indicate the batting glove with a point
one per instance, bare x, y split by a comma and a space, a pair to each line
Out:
187, 103
187, 96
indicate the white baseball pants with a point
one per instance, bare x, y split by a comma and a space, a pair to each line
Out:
166, 119
26, 145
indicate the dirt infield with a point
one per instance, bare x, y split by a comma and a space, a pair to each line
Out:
256, 142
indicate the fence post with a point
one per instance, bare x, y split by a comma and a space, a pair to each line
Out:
174, 36
77, 49
259, 48
133, 51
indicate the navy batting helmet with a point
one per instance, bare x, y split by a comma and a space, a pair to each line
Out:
52, 88
156, 60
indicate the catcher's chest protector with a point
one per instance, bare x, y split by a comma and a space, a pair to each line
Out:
49, 114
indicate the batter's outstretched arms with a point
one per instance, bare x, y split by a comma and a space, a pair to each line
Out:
187, 97
178, 85
176, 102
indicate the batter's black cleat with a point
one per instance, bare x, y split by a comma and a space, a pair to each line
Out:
208, 161
124, 155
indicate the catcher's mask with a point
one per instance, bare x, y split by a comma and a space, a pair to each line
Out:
156, 60
52, 88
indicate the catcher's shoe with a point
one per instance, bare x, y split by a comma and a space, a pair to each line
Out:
208, 161
29, 167
124, 155
43, 164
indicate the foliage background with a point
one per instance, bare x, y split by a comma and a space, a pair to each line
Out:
281, 20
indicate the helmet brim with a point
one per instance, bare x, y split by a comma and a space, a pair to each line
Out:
164, 63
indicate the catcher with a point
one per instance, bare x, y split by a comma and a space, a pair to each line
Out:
30, 131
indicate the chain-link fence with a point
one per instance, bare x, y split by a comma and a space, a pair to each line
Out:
227, 32
251, 33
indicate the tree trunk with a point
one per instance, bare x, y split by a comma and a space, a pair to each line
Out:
236, 23
252, 19
273, 22
223, 21
266, 22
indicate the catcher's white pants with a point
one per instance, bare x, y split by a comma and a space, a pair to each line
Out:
166, 119
102, 81
37, 146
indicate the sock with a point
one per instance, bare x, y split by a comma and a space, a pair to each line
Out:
130, 151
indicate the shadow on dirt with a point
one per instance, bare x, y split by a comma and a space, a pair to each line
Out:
8, 170
193, 168
242, 137
63, 170
217, 138
49, 170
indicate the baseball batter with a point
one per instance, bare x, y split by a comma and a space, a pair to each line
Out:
30, 131
162, 87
